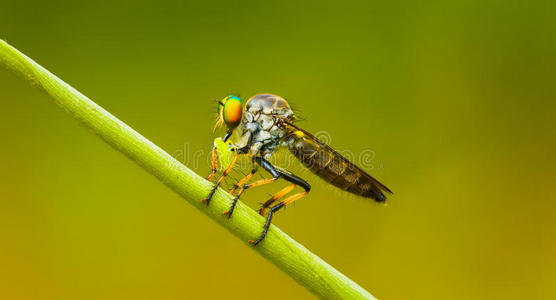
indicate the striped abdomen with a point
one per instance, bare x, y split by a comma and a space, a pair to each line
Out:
333, 167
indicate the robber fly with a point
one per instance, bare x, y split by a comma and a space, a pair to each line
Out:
267, 123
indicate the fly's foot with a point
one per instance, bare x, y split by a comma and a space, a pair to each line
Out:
255, 243
229, 212
233, 190
267, 224
260, 239
207, 199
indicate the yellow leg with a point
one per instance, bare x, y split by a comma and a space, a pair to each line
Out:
293, 198
241, 182
276, 197
273, 210
255, 184
214, 163
242, 189
226, 172
260, 182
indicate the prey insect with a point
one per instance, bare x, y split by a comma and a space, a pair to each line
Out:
266, 124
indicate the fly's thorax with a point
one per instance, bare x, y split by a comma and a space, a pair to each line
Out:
261, 127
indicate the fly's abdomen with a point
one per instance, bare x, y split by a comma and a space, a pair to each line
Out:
333, 167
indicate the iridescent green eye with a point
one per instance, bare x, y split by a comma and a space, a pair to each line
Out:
231, 111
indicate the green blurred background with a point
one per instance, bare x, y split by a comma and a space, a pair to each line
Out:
457, 101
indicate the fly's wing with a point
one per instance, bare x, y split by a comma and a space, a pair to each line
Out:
331, 165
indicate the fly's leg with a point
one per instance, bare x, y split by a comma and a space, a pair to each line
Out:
245, 187
226, 172
214, 163
275, 198
296, 181
273, 210
267, 166
232, 191
243, 180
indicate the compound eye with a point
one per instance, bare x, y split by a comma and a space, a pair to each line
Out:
231, 113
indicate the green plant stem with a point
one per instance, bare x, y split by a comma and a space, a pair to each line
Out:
289, 256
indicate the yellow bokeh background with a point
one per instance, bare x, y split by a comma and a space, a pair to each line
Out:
455, 101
